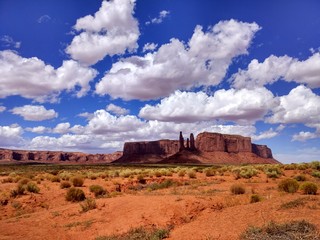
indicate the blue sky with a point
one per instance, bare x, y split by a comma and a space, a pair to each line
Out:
86, 76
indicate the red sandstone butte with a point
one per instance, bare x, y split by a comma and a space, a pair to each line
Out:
23, 156
208, 148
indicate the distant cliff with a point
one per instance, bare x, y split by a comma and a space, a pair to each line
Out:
207, 148
8, 155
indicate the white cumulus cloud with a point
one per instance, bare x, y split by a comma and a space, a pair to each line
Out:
32, 78
10, 136
149, 47
175, 65
62, 128
274, 68
34, 112
2, 109
116, 109
112, 30
230, 105
301, 105
38, 129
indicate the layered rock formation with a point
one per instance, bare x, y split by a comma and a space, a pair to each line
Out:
7, 155
207, 148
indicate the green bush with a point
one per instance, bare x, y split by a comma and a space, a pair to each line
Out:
77, 181
75, 195
255, 198
97, 190
309, 188
273, 171
88, 204
300, 178
65, 184
237, 189
32, 187
288, 185
316, 174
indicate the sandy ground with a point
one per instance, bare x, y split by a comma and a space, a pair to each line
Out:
201, 208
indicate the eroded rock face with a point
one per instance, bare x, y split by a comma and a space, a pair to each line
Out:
211, 142
56, 156
262, 151
207, 147
161, 147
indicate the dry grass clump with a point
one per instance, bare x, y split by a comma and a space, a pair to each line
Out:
300, 178
75, 195
97, 190
288, 185
237, 189
65, 184
295, 230
209, 172
55, 179
25, 185
316, 174
309, 188
88, 205
245, 172
77, 181
255, 198
139, 234
273, 171
192, 174
299, 202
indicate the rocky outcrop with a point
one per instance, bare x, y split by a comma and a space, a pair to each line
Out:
7, 155
152, 151
207, 148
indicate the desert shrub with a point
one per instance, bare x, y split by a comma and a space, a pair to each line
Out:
255, 198
88, 204
139, 234
288, 185
165, 184
65, 176
97, 190
210, 172
316, 174
32, 187
273, 171
4, 199
237, 189
55, 179
294, 230
315, 165
309, 188
302, 166
192, 174
292, 166
77, 181
293, 204
65, 184
300, 178
75, 195
141, 179
181, 173
7, 180
24, 181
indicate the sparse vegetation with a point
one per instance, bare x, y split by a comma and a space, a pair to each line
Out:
293, 204
294, 230
255, 198
237, 189
65, 184
77, 181
97, 190
139, 234
300, 178
75, 195
309, 188
88, 204
288, 185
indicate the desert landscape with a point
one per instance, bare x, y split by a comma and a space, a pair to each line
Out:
166, 189
157, 202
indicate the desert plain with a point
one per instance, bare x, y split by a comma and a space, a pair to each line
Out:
157, 201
